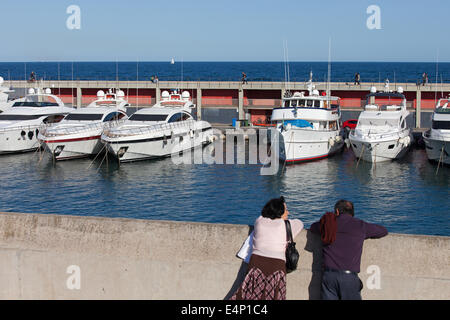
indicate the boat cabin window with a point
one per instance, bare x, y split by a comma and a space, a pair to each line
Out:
113, 116
34, 104
84, 116
316, 103
436, 125
179, 117
333, 125
53, 118
294, 103
286, 103
309, 103
18, 117
403, 124
148, 117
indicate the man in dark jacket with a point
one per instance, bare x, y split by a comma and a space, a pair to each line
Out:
343, 237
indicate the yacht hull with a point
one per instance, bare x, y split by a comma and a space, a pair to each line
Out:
380, 150
19, 140
297, 145
437, 150
73, 148
145, 147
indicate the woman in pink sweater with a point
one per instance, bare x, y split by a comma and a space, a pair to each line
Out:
266, 275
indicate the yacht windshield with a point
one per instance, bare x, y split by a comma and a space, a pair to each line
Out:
84, 116
148, 117
378, 123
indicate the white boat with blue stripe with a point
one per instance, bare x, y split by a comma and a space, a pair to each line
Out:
309, 126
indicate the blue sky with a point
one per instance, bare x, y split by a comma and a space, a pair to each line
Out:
211, 30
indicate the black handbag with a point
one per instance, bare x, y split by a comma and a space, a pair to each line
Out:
292, 254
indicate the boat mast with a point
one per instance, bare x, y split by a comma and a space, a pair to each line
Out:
329, 67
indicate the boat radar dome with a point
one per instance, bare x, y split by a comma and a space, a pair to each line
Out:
165, 95
315, 92
48, 91
31, 91
373, 90
100, 93
185, 95
400, 90
120, 94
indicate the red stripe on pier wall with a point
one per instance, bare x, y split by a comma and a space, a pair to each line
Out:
222, 97
262, 98
258, 116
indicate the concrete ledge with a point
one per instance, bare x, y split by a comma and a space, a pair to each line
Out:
143, 259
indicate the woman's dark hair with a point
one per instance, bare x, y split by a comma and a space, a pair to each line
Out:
344, 206
274, 209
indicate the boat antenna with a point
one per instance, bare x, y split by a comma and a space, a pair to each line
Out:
117, 73
286, 66
59, 80
137, 83
329, 69
437, 71
72, 84
181, 69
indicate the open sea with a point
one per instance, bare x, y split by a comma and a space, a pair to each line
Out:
227, 71
406, 196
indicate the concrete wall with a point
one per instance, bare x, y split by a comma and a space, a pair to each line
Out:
142, 259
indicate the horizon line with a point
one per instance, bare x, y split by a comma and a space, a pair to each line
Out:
220, 61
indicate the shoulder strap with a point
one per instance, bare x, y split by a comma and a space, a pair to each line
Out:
288, 231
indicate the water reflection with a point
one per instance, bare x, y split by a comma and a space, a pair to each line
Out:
407, 196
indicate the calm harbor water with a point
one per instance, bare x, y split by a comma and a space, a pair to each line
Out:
406, 196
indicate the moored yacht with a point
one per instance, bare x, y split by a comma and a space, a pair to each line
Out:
78, 134
20, 123
4, 96
162, 130
437, 138
309, 126
382, 133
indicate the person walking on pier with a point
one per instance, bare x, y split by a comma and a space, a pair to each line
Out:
424, 78
357, 79
244, 78
342, 237
266, 273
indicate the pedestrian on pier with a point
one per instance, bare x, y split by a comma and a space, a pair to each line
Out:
424, 78
342, 237
32, 76
266, 273
244, 78
357, 79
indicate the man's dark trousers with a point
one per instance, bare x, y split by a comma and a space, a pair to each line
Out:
338, 285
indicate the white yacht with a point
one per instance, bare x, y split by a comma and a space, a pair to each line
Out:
4, 96
20, 123
437, 139
78, 134
309, 126
166, 128
381, 133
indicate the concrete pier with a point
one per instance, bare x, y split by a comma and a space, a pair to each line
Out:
73, 257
